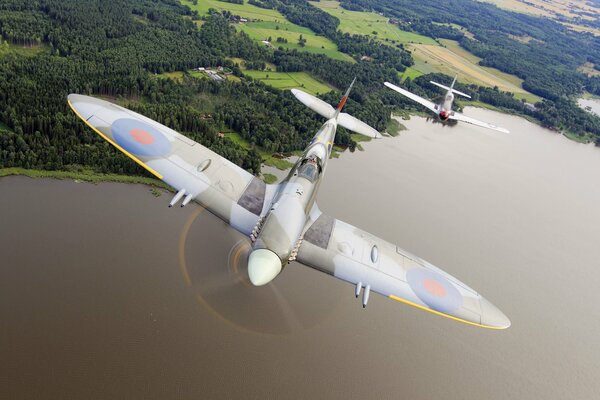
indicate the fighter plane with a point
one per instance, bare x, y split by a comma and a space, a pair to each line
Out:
283, 220
444, 109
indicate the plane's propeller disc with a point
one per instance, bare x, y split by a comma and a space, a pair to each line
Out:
213, 260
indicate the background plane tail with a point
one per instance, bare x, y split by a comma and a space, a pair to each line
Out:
450, 88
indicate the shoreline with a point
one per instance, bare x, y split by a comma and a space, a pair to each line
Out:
84, 176
272, 173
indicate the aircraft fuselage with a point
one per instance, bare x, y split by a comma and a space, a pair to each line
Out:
279, 231
445, 107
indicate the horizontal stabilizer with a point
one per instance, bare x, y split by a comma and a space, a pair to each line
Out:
314, 103
343, 119
453, 90
355, 125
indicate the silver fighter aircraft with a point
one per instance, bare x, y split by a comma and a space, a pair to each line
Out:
444, 109
283, 220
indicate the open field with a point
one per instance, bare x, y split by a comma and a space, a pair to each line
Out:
550, 8
290, 80
271, 23
588, 69
7, 48
555, 9
245, 10
581, 28
370, 24
410, 73
453, 60
291, 32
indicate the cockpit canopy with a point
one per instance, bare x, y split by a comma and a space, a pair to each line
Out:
310, 168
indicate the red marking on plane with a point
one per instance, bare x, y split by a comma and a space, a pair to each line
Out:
141, 136
434, 288
342, 102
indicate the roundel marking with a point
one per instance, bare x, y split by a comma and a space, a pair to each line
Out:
140, 138
434, 290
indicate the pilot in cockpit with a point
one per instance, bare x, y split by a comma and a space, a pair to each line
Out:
310, 168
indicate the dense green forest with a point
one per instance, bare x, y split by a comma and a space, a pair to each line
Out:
117, 50
113, 49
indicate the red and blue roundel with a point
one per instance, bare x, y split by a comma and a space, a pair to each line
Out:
434, 290
140, 138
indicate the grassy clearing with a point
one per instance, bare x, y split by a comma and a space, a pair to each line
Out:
314, 44
269, 178
394, 127
410, 73
589, 69
84, 175
279, 163
360, 138
290, 80
576, 138
28, 51
528, 97
244, 10
270, 23
370, 24
588, 95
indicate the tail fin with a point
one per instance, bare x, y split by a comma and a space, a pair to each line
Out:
343, 101
451, 88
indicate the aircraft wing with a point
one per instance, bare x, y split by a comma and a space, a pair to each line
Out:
225, 189
353, 255
464, 118
432, 106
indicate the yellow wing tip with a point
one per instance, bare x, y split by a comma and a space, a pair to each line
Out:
128, 154
464, 321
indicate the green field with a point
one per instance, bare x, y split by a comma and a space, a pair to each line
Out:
245, 10
271, 23
314, 44
7, 48
366, 23
410, 73
290, 80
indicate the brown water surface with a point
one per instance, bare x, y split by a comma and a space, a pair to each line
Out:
107, 293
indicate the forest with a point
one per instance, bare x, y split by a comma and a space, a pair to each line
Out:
118, 51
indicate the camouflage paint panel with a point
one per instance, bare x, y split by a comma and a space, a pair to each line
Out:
356, 256
320, 231
254, 196
222, 187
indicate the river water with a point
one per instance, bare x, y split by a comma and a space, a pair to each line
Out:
107, 293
